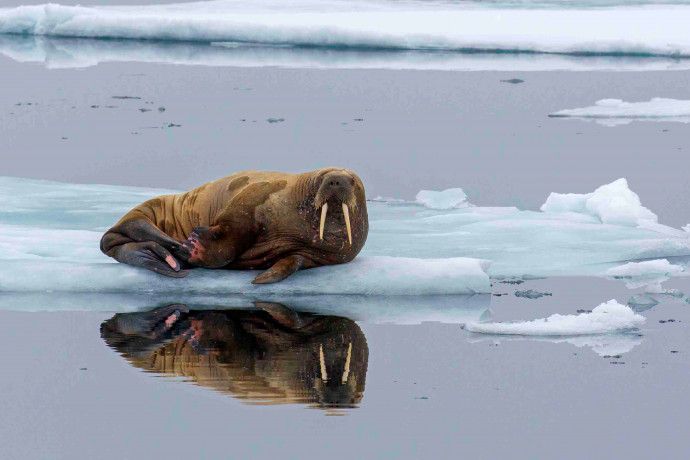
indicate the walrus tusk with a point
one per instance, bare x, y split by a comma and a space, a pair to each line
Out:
346, 213
324, 211
346, 374
322, 361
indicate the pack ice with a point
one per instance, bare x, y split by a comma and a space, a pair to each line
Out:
50, 232
357, 24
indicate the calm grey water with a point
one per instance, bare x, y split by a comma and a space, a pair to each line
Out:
425, 390
401, 131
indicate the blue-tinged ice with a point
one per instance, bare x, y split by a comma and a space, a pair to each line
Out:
50, 232
652, 30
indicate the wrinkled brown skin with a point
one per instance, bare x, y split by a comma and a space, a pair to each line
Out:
249, 220
271, 355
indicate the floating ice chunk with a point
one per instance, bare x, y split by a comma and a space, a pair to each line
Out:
613, 203
607, 317
648, 274
446, 199
364, 275
646, 268
613, 112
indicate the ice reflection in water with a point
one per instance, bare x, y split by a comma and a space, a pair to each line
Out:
603, 344
267, 355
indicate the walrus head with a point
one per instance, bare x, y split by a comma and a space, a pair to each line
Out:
340, 191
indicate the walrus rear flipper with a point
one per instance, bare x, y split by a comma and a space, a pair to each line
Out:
151, 256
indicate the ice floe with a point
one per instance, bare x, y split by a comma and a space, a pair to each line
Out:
607, 317
648, 274
435, 26
614, 112
49, 235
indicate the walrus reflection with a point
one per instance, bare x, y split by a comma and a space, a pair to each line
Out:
272, 355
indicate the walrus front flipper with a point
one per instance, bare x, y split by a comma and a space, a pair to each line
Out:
210, 247
149, 255
281, 270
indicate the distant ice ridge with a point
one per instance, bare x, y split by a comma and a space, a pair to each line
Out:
446, 199
444, 26
607, 317
613, 112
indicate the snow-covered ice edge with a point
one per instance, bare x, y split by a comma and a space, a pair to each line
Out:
363, 276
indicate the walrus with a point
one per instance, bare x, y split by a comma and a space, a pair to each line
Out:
270, 354
250, 220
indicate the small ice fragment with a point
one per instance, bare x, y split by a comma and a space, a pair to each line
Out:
646, 268
641, 303
607, 317
659, 109
275, 120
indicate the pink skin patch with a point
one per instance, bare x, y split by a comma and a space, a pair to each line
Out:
195, 249
171, 261
197, 330
170, 320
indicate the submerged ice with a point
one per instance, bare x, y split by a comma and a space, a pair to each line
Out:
607, 317
49, 235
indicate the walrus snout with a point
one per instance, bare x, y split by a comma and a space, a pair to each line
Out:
337, 187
